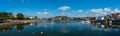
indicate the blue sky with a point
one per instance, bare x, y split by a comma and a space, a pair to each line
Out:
71, 8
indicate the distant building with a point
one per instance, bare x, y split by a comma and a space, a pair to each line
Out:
100, 18
59, 18
31, 17
113, 16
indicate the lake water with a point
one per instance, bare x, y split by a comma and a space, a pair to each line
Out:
59, 28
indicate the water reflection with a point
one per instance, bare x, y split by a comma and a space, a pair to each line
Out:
60, 28
5, 27
105, 27
20, 27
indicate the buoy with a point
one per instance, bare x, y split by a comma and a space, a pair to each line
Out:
4, 30
82, 22
31, 23
88, 22
102, 26
18, 31
41, 32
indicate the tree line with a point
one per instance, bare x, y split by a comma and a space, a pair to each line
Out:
10, 16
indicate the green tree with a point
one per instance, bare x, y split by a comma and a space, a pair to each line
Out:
20, 16
27, 18
10, 15
6, 15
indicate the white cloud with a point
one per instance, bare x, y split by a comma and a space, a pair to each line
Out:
43, 13
64, 8
62, 13
97, 10
100, 10
116, 10
68, 13
39, 13
107, 10
80, 10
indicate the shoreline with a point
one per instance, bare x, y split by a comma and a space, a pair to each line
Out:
21, 21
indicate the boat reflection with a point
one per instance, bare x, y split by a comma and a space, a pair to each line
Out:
105, 27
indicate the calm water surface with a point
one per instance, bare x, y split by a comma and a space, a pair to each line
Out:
59, 28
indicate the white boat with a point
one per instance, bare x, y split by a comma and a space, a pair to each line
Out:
88, 22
